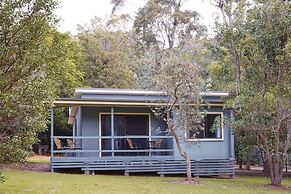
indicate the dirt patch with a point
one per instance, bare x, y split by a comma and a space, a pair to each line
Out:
271, 187
28, 166
184, 182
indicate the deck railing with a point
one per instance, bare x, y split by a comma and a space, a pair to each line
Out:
113, 146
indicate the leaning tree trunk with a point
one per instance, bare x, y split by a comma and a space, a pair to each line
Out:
184, 155
182, 152
275, 164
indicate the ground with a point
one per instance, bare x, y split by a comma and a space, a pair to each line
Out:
30, 180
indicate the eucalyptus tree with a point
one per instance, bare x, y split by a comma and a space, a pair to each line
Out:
165, 23
110, 53
263, 97
36, 63
176, 73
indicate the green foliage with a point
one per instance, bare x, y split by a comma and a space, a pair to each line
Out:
176, 74
256, 39
37, 65
110, 55
165, 23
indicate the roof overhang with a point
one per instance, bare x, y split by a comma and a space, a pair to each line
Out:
85, 102
110, 91
77, 101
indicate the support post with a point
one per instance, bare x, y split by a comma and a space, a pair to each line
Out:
52, 136
74, 129
112, 131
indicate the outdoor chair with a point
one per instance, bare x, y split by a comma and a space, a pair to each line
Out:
72, 146
157, 145
132, 145
59, 145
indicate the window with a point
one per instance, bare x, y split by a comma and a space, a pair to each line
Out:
210, 128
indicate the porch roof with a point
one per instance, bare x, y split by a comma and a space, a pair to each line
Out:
127, 98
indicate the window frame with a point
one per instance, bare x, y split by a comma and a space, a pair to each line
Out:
209, 139
120, 113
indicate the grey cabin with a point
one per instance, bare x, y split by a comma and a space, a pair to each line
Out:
116, 130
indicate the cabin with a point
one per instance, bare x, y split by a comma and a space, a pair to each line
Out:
116, 130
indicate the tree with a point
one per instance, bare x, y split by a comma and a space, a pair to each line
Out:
230, 34
37, 63
176, 74
164, 23
110, 54
116, 4
263, 101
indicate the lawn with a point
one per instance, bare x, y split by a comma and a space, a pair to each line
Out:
39, 159
40, 182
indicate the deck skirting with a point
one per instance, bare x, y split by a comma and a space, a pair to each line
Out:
161, 166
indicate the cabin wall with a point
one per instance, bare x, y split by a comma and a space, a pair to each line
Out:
210, 149
197, 150
90, 124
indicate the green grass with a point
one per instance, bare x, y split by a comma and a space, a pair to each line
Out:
37, 182
39, 159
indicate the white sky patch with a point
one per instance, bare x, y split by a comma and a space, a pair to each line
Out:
74, 12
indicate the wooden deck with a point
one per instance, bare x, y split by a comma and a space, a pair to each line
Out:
162, 165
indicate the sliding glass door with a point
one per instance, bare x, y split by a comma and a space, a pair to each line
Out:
125, 124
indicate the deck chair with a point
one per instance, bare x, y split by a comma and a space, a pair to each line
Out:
157, 145
60, 146
58, 143
72, 146
132, 145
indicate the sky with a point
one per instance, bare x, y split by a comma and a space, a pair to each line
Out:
74, 12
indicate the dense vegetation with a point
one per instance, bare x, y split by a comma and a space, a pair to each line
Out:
167, 48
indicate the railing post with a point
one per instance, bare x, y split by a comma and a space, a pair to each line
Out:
52, 136
112, 131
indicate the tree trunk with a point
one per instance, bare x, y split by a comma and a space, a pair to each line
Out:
240, 164
248, 164
184, 155
274, 162
266, 168
276, 172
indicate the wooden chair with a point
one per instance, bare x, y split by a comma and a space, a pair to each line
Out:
72, 146
58, 143
157, 145
132, 145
